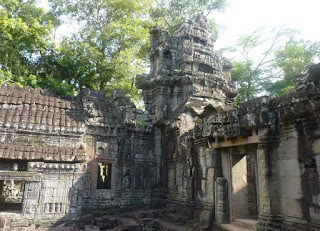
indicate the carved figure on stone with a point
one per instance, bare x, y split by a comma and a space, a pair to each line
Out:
127, 179
74, 200
87, 179
9, 190
15, 167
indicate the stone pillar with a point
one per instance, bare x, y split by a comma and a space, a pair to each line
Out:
31, 199
158, 140
268, 181
221, 201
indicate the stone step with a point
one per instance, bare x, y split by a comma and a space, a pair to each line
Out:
125, 228
106, 222
198, 227
245, 223
177, 218
145, 214
91, 228
229, 227
151, 213
164, 225
237, 225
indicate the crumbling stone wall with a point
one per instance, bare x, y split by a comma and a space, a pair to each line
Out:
60, 146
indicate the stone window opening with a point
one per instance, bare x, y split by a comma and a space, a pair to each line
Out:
205, 68
101, 151
203, 42
211, 139
13, 166
104, 176
53, 207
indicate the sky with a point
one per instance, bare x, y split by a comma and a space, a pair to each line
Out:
243, 16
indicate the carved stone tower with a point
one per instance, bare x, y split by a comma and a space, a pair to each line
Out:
185, 71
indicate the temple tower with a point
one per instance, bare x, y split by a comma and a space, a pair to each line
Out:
185, 71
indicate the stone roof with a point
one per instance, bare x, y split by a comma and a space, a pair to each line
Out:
33, 110
20, 152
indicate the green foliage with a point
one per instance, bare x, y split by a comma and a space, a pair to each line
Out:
247, 79
113, 39
24, 35
172, 13
253, 72
270, 60
139, 123
67, 68
198, 121
293, 59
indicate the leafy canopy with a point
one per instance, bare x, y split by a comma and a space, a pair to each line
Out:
254, 71
25, 32
114, 37
293, 59
172, 13
270, 60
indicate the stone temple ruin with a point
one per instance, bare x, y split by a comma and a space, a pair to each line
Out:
189, 158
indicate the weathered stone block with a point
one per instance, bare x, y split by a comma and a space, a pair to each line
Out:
317, 158
203, 185
289, 167
91, 228
291, 208
316, 146
288, 149
291, 187
210, 185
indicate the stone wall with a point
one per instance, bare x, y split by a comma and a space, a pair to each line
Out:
73, 154
284, 132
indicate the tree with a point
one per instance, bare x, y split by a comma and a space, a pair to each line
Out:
25, 32
254, 70
293, 59
67, 68
107, 52
114, 37
172, 13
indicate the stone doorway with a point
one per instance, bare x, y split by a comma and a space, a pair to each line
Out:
242, 176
